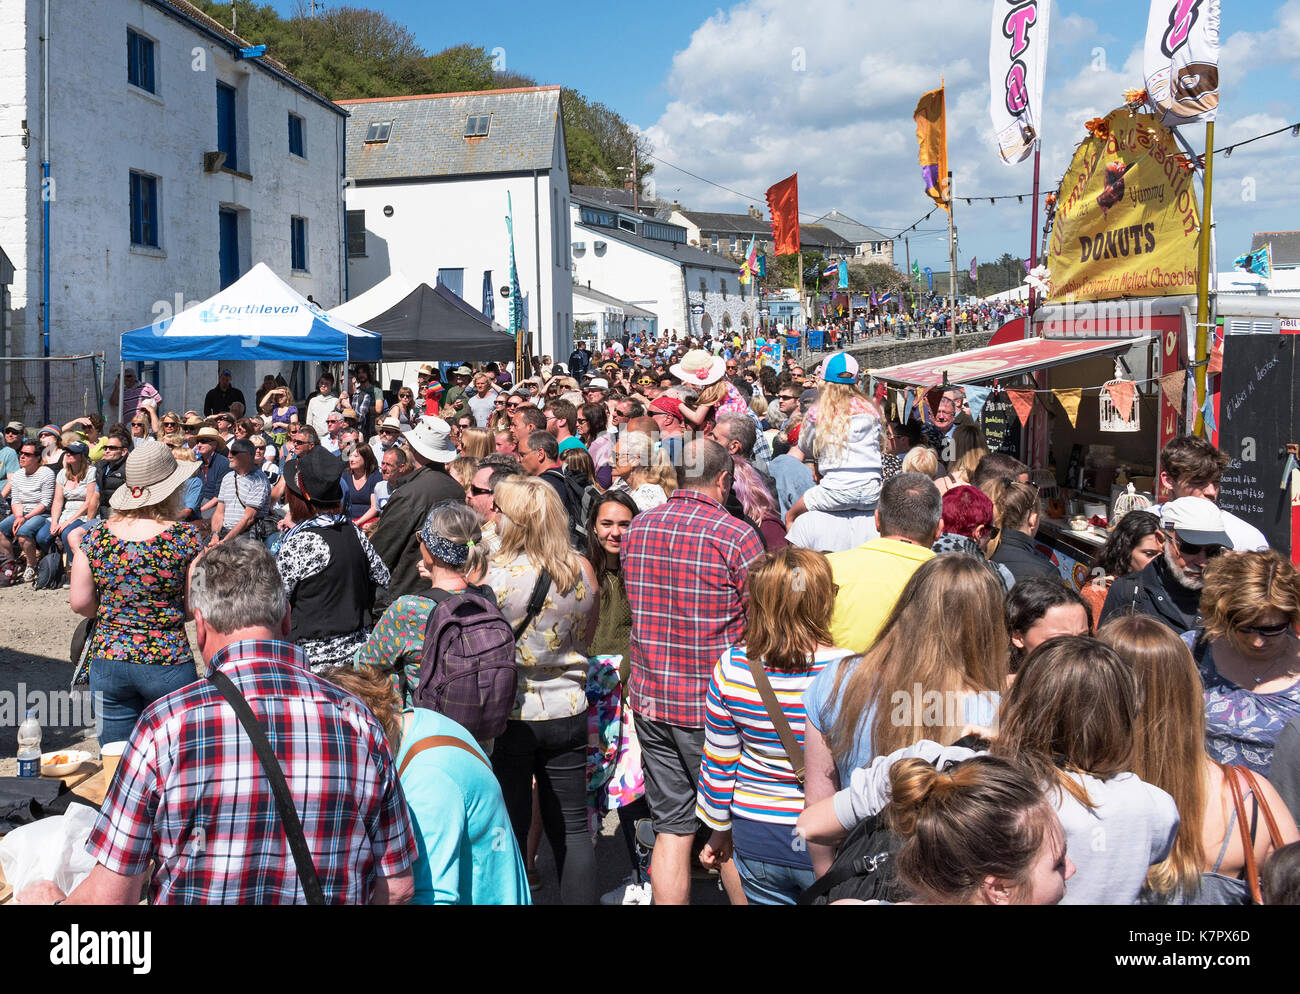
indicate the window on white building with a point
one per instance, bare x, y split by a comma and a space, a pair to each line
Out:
297, 145
453, 280
144, 209
723, 281
704, 286
378, 132
713, 242
298, 240
140, 61
227, 125
356, 225
477, 125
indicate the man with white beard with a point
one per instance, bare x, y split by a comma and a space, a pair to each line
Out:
1169, 588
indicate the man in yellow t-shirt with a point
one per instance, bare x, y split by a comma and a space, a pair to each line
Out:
870, 577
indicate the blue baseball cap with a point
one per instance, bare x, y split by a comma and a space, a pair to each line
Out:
840, 368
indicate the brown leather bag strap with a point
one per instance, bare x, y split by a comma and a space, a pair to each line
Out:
793, 751
432, 742
1274, 834
1243, 826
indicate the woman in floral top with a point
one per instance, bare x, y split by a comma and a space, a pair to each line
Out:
547, 735
131, 574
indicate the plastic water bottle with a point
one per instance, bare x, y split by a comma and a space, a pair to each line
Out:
29, 746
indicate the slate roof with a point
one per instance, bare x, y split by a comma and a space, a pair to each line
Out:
1286, 246
184, 10
607, 196
629, 310
673, 251
854, 231
810, 235
428, 135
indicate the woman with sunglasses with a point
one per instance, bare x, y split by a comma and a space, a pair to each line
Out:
169, 424
1248, 655
406, 412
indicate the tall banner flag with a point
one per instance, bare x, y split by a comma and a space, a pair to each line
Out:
489, 305
1180, 62
932, 143
916, 271
783, 202
974, 268
1126, 219
929, 278
843, 275
747, 267
1017, 66
762, 266
517, 319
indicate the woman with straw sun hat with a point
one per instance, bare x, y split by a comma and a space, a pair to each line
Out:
131, 574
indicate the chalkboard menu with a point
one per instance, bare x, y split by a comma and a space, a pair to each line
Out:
1257, 418
1001, 426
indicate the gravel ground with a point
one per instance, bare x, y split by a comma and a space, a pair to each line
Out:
35, 637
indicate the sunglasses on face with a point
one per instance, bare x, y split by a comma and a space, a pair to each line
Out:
1191, 549
107, 448
475, 491
1266, 631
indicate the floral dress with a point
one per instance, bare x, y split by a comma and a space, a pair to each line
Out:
552, 670
141, 590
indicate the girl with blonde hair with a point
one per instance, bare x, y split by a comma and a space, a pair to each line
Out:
475, 443
841, 433
548, 593
1209, 852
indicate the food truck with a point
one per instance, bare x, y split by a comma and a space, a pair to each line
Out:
1083, 454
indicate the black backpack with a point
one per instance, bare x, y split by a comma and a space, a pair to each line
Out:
49, 571
864, 868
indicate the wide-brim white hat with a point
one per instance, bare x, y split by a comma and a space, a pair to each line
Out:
699, 369
431, 438
151, 474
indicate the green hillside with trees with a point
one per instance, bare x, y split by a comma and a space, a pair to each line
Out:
350, 52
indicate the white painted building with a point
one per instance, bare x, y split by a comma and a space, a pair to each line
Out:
140, 215
647, 262
430, 178
600, 318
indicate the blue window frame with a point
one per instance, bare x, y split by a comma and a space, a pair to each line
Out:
139, 61
298, 238
226, 131
144, 210
453, 280
296, 146
229, 247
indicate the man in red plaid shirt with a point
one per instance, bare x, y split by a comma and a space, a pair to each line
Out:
684, 565
190, 793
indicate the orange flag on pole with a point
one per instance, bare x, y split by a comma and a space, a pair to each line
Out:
932, 139
783, 202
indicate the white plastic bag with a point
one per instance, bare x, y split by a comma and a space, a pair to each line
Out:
51, 849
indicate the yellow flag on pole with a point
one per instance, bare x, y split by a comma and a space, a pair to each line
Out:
932, 141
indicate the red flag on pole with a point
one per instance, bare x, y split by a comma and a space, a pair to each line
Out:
783, 202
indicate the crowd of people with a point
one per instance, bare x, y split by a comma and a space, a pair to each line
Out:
733, 601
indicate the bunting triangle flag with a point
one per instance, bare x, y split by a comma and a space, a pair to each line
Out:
910, 404
1174, 387
1022, 399
898, 406
1121, 395
1068, 398
1215, 365
977, 397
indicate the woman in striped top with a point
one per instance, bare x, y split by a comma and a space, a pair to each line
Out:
749, 793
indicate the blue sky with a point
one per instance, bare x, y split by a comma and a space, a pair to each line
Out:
716, 89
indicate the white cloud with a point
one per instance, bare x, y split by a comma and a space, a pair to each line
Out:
770, 87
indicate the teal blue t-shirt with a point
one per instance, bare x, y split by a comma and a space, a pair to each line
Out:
468, 853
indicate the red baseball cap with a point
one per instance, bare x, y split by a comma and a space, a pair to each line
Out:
667, 405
